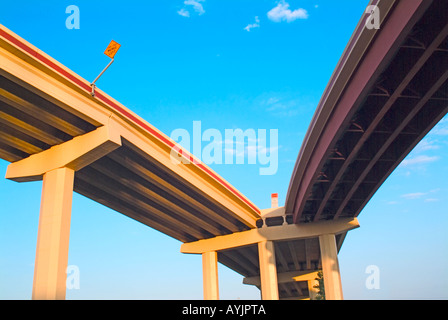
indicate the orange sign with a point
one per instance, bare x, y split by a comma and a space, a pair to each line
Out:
112, 49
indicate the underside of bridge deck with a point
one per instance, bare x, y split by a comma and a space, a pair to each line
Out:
402, 100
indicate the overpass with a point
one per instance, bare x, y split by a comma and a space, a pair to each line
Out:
52, 129
387, 92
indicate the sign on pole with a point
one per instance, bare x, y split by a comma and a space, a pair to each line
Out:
112, 49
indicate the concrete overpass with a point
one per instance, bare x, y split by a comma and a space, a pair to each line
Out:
388, 90
53, 130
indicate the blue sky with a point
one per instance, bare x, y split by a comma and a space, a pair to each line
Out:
249, 64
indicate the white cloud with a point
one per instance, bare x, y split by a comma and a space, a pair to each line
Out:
184, 13
196, 6
419, 160
441, 129
425, 145
282, 13
418, 195
253, 25
411, 196
282, 107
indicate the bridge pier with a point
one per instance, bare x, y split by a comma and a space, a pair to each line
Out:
312, 288
56, 167
268, 270
53, 235
265, 239
330, 267
210, 275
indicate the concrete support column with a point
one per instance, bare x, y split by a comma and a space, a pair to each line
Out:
210, 275
312, 290
268, 270
330, 267
53, 235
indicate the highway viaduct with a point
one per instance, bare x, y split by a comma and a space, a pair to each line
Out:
387, 92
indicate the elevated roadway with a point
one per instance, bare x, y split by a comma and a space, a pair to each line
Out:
387, 92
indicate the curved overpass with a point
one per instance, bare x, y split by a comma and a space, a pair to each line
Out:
387, 92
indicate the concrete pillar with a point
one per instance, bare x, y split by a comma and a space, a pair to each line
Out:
312, 290
210, 275
268, 270
330, 267
53, 235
